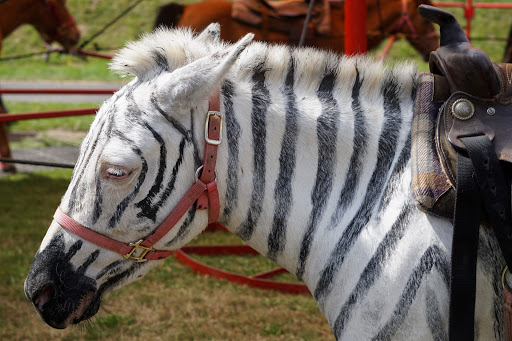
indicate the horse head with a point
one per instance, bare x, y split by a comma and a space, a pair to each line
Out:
136, 163
54, 23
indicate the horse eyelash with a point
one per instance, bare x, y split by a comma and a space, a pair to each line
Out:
117, 173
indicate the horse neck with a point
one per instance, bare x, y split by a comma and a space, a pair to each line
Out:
383, 16
16, 13
285, 158
389, 17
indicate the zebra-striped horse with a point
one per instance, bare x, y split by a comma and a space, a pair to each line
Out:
313, 171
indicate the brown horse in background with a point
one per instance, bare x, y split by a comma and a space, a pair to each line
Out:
508, 48
384, 18
52, 20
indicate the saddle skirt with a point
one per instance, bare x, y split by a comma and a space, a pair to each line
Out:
442, 115
432, 190
275, 14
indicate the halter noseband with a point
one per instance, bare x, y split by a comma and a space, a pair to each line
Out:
203, 192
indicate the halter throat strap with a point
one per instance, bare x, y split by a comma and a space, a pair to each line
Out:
203, 192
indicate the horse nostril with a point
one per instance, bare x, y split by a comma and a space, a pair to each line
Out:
43, 296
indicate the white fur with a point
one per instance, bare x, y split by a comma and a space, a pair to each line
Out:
196, 67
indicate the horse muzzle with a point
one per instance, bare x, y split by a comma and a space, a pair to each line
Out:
60, 292
61, 313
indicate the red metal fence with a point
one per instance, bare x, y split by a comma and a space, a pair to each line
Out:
469, 9
355, 27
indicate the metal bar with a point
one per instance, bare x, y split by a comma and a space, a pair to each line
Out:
47, 114
491, 5
306, 23
448, 4
220, 250
469, 13
37, 163
476, 5
94, 54
285, 287
270, 273
386, 49
355, 27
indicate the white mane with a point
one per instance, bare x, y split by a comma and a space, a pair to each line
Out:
167, 50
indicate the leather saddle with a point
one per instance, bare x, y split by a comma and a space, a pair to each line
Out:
285, 16
470, 100
472, 96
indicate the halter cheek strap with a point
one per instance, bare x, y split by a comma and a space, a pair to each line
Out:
203, 192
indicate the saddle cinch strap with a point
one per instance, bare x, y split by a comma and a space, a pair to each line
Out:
474, 145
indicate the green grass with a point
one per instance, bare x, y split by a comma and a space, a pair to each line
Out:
489, 27
91, 16
76, 123
40, 133
60, 67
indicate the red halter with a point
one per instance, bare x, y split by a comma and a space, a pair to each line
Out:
203, 191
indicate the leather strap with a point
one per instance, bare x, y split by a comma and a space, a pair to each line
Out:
494, 189
103, 241
480, 180
507, 307
203, 190
466, 223
210, 198
124, 248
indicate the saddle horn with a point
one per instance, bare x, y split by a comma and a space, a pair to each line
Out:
465, 67
451, 32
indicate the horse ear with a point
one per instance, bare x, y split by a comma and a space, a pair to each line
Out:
211, 33
197, 80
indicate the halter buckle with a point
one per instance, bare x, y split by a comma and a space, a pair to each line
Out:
206, 127
140, 258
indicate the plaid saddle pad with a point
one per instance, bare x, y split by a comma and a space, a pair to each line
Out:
432, 190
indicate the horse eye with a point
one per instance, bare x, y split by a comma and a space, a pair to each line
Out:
116, 173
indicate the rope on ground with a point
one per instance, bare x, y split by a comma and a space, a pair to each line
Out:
36, 163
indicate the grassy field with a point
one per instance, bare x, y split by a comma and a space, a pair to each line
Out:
90, 16
61, 131
489, 30
171, 303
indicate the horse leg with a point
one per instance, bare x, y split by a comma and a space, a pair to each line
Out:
5, 150
508, 49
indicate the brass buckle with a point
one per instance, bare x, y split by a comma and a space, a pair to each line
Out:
208, 140
140, 258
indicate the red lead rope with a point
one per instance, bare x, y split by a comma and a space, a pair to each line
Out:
203, 191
